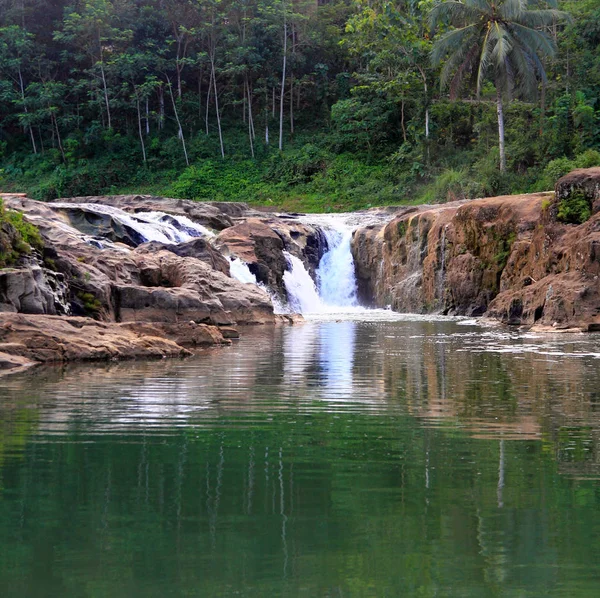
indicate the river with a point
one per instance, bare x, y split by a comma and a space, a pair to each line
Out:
369, 455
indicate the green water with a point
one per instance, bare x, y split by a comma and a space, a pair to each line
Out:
410, 458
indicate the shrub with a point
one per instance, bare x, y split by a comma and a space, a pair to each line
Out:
574, 209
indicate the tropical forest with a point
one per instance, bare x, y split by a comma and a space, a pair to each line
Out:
319, 105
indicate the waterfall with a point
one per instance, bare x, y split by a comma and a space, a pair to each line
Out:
335, 286
301, 289
240, 271
146, 226
335, 276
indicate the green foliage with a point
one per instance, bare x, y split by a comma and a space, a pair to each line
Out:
17, 236
574, 209
91, 304
86, 105
561, 166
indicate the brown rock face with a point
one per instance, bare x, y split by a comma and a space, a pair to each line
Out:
56, 339
260, 247
152, 283
505, 257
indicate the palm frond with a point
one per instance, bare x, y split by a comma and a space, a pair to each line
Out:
542, 17
465, 67
451, 42
502, 44
537, 41
511, 9
457, 14
484, 60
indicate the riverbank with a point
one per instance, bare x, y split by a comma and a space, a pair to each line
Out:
120, 277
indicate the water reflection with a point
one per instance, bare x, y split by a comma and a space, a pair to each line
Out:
333, 458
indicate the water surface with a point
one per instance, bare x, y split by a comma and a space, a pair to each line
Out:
334, 458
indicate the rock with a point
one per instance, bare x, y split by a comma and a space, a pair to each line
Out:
63, 338
31, 290
154, 282
11, 364
215, 215
505, 257
255, 243
586, 180
199, 248
229, 332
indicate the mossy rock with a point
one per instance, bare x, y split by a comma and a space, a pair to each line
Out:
577, 196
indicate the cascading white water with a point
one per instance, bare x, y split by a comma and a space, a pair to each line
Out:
336, 278
301, 289
240, 271
150, 226
335, 287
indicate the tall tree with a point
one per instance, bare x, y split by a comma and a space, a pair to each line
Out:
501, 40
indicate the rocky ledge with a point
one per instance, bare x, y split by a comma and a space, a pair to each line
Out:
98, 290
525, 259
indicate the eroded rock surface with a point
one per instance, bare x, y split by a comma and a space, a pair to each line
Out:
505, 257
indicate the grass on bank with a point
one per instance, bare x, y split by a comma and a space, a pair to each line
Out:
311, 175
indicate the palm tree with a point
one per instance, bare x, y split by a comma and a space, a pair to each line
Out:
501, 40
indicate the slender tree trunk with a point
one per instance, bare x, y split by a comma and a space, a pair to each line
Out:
212, 63
208, 100
200, 96
140, 130
250, 120
26, 111
501, 146
402, 120
283, 80
292, 103
273, 102
266, 115
147, 118
180, 133
251, 113
58, 138
161, 108
105, 87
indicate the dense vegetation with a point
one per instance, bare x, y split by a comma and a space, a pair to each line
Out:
326, 104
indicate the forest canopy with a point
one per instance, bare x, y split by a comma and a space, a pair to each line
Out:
303, 104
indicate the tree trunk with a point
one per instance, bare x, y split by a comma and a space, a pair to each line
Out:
283, 81
161, 108
147, 118
26, 111
500, 110
140, 129
208, 99
212, 64
250, 120
292, 104
58, 138
178, 123
104, 85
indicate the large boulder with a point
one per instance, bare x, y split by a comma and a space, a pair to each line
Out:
199, 248
51, 338
255, 243
32, 290
586, 181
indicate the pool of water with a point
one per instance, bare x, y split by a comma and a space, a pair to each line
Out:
340, 457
